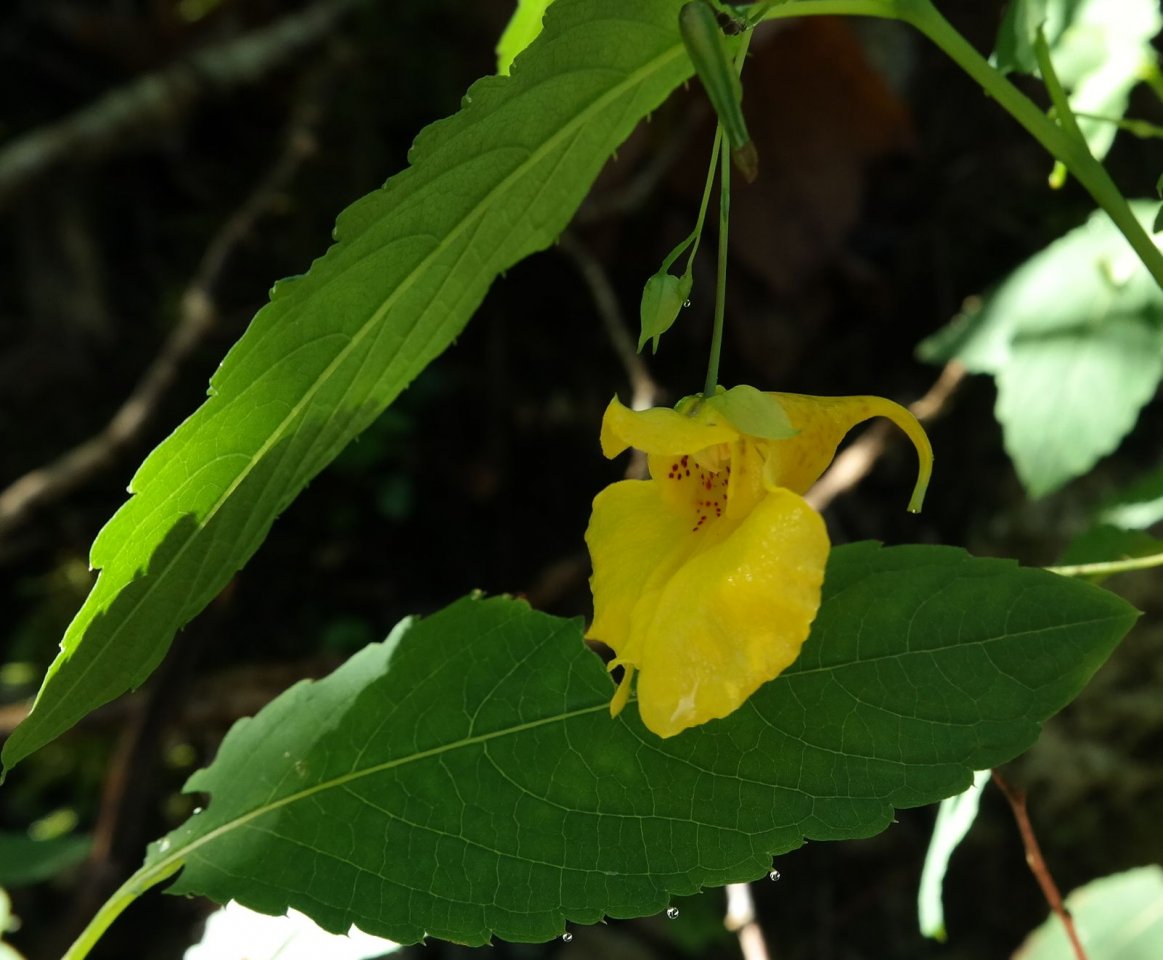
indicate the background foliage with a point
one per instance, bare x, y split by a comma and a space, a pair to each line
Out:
884, 225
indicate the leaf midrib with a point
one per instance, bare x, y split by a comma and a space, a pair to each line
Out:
180, 855
478, 211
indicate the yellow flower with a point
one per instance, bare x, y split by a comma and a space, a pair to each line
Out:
707, 576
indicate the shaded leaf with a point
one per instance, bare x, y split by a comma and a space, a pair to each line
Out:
1117, 529
464, 778
1104, 543
334, 347
1139, 506
1119, 917
1074, 337
24, 860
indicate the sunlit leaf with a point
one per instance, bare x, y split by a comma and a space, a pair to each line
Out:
1074, 338
7, 922
235, 933
1099, 49
1119, 917
487, 187
954, 818
523, 28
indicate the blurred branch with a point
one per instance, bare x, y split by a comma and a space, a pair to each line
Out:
857, 460
741, 921
158, 99
1036, 863
644, 391
197, 315
214, 703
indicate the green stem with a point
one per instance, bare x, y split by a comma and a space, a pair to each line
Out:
1142, 129
721, 278
1110, 566
1071, 151
697, 234
1058, 98
724, 222
740, 57
1063, 114
148, 876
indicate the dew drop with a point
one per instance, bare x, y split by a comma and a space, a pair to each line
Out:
774, 875
163, 846
671, 913
566, 937
686, 303
197, 810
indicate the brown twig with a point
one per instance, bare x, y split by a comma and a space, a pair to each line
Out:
157, 100
741, 921
858, 459
197, 315
1037, 864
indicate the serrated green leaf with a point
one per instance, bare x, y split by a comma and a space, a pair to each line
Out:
752, 412
1119, 917
523, 28
464, 778
1074, 337
411, 262
1098, 47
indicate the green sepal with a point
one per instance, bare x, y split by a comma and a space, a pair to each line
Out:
752, 412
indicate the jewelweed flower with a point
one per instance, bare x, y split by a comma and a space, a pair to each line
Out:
707, 576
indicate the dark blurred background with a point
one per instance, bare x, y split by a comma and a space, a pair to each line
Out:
162, 162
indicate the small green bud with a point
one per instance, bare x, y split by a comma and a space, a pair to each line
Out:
662, 298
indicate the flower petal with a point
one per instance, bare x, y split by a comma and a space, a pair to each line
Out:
661, 430
796, 463
635, 543
733, 616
